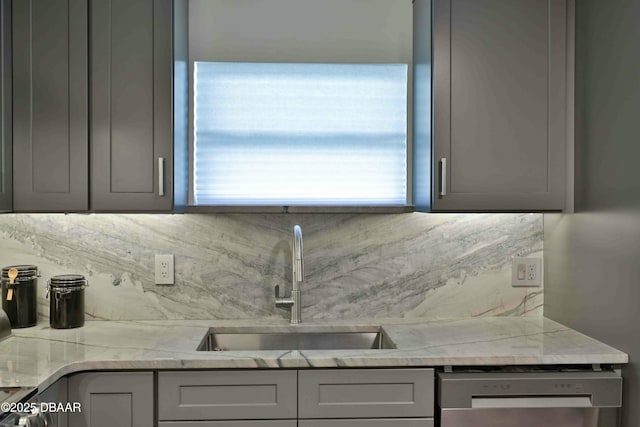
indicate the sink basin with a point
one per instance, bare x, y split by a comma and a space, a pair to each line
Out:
217, 339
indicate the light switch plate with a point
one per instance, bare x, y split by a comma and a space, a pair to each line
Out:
526, 272
164, 270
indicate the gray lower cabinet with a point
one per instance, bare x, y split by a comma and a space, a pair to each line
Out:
366, 393
50, 105
112, 399
6, 131
306, 398
57, 393
387, 422
258, 423
131, 105
499, 104
227, 395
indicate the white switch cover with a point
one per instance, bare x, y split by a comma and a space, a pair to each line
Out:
164, 270
526, 272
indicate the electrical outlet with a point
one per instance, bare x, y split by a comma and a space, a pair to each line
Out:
164, 270
526, 272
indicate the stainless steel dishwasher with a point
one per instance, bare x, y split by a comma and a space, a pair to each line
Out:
530, 399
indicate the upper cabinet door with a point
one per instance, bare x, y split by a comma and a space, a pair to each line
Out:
6, 161
131, 113
50, 105
499, 99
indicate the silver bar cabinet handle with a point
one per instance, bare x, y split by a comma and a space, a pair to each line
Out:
161, 176
443, 176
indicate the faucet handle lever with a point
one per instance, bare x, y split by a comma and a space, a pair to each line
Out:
277, 289
282, 301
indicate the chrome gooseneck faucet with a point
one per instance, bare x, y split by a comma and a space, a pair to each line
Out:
297, 276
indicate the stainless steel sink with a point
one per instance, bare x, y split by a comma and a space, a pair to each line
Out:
217, 339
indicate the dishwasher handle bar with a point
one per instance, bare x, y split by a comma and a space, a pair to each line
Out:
531, 402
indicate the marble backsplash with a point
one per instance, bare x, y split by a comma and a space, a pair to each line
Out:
226, 265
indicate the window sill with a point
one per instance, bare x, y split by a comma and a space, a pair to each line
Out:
395, 209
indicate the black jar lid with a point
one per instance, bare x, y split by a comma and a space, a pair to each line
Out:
68, 280
23, 271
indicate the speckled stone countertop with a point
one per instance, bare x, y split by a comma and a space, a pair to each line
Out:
38, 356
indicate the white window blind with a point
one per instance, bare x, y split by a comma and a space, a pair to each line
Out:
300, 134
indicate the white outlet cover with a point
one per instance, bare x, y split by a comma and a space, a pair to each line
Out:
532, 270
164, 271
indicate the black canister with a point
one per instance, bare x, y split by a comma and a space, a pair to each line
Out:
66, 304
20, 295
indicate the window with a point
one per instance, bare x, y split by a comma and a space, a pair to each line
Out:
300, 134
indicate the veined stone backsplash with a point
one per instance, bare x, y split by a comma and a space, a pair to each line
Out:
226, 266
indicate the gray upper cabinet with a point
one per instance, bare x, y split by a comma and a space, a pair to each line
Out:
112, 399
500, 105
50, 105
6, 161
131, 112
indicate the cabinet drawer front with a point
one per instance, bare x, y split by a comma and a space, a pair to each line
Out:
227, 395
260, 423
371, 393
388, 422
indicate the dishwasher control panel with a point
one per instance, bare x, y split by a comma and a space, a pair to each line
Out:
458, 389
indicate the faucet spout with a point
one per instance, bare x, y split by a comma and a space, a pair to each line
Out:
298, 256
297, 277
297, 274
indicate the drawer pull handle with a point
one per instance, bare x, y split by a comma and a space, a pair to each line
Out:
161, 176
443, 177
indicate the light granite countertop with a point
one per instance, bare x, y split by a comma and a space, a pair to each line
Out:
38, 356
